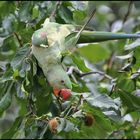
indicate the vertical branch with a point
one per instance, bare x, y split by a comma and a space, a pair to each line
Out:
110, 61
53, 14
91, 16
18, 39
112, 89
128, 11
59, 103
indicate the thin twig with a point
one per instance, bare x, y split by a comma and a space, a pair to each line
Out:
128, 11
72, 108
78, 34
70, 72
53, 14
59, 103
112, 89
91, 16
19, 39
110, 61
69, 111
96, 72
66, 111
73, 69
78, 104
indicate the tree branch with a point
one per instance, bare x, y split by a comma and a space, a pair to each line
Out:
18, 39
112, 89
73, 69
110, 61
96, 72
58, 4
128, 11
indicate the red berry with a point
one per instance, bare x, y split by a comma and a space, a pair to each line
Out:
65, 94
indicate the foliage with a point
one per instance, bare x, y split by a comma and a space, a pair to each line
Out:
103, 105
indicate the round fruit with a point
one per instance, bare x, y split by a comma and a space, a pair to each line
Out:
65, 94
89, 120
53, 123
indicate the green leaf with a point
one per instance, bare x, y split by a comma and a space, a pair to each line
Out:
20, 56
6, 100
23, 106
25, 11
129, 100
65, 14
100, 100
35, 12
7, 76
79, 16
65, 125
31, 128
100, 129
43, 95
5, 10
80, 63
94, 52
9, 133
115, 116
26, 33
8, 48
21, 93
8, 24
126, 85
127, 56
133, 45
20, 133
80, 87
24, 69
43, 103
102, 123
